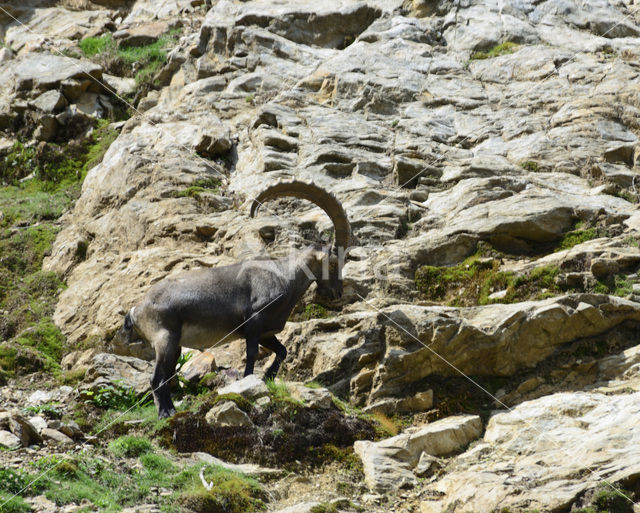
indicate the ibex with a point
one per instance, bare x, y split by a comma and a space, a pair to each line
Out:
251, 299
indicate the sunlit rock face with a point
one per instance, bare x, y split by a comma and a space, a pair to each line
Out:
446, 131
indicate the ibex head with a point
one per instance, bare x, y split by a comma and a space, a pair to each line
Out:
325, 263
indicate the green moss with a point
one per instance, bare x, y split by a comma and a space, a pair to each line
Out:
472, 282
496, 51
130, 446
47, 338
575, 237
157, 463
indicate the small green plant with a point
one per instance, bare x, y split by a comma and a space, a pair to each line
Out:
51, 410
115, 396
249, 98
130, 446
617, 285
12, 480
314, 311
530, 165
496, 51
147, 59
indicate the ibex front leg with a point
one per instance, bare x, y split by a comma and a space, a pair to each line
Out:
252, 354
167, 353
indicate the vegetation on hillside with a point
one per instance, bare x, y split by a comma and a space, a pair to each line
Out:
40, 184
139, 62
131, 471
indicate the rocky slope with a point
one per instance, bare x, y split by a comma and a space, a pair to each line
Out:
485, 155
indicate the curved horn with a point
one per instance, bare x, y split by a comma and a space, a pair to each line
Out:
310, 192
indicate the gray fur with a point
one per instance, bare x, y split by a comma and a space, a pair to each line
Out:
201, 308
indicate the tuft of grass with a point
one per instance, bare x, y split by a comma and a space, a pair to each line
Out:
199, 186
500, 49
92, 46
130, 446
145, 418
280, 393
387, 424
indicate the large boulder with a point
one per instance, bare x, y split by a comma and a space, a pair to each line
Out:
388, 464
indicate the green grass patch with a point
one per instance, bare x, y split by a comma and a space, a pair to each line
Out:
474, 280
27, 294
616, 285
230, 493
198, 187
9, 504
119, 60
130, 446
92, 46
606, 499
501, 49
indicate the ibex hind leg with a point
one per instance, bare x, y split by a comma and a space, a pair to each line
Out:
167, 353
273, 344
